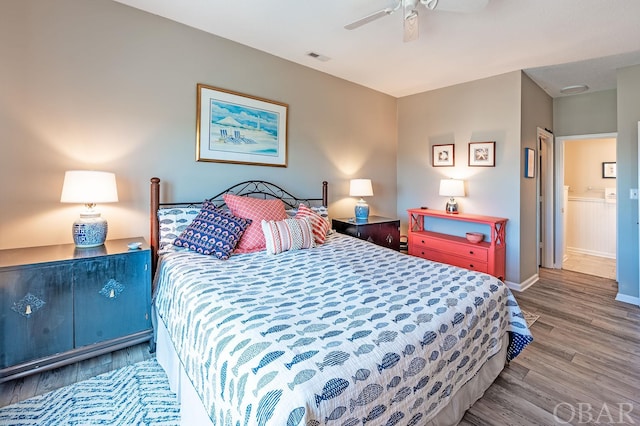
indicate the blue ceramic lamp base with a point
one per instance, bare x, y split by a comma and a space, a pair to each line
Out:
90, 230
362, 211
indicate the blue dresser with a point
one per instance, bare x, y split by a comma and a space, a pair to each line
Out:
60, 304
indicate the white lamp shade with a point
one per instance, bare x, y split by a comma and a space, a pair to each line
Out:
360, 188
89, 187
452, 188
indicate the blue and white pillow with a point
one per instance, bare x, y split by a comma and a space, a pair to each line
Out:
213, 232
173, 221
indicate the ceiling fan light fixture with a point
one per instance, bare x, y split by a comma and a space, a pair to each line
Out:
430, 4
574, 89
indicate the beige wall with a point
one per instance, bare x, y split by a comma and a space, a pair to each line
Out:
583, 166
536, 112
482, 110
98, 85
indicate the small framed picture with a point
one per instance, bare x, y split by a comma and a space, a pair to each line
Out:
609, 170
529, 163
482, 154
443, 155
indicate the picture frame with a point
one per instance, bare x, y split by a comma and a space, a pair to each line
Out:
609, 170
443, 155
482, 154
529, 163
237, 128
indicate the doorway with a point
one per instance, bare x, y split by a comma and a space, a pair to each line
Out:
586, 199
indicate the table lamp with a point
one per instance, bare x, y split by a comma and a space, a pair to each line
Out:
88, 188
361, 188
452, 188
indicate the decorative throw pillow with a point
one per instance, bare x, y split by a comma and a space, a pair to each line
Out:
172, 221
288, 234
213, 231
320, 225
256, 210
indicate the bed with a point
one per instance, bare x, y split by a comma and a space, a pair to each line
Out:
344, 333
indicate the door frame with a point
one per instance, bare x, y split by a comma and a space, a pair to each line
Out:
559, 188
545, 206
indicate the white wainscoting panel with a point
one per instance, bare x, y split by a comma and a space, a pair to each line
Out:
591, 227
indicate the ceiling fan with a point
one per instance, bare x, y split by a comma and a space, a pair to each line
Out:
410, 11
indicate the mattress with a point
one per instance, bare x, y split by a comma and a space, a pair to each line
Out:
346, 333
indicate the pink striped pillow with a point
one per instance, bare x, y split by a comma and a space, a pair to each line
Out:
320, 225
288, 234
257, 210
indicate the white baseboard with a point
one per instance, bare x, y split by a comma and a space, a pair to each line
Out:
628, 299
577, 250
523, 285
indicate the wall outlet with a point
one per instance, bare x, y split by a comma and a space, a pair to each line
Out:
633, 194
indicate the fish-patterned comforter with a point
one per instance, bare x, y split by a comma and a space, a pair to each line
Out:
345, 334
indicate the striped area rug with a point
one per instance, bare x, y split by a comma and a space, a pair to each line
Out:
138, 394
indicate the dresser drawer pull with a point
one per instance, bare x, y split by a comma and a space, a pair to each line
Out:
111, 289
27, 305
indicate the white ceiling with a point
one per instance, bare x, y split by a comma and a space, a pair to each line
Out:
542, 37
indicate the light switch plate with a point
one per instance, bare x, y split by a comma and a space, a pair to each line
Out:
633, 193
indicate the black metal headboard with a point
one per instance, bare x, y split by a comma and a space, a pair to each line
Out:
250, 188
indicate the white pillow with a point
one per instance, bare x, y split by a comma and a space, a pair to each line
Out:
287, 234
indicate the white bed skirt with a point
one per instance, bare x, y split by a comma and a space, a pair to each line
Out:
192, 412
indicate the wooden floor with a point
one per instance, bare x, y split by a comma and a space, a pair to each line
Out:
582, 368
585, 354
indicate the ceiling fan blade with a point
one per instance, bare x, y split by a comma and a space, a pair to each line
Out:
376, 15
459, 6
411, 27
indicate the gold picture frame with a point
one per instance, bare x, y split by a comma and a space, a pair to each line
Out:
236, 128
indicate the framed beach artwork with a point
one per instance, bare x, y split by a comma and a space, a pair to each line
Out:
443, 155
236, 128
482, 154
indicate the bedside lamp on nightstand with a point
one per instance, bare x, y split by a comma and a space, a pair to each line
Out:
361, 188
89, 188
452, 188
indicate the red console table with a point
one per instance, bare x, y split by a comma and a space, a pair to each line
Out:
486, 256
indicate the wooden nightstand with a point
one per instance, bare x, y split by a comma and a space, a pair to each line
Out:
379, 230
60, 304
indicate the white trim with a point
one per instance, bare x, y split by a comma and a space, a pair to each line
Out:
628, 299
576, 250
523, 285
546, 258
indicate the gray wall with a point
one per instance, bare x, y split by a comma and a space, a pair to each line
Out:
99, 85
478, 111
609, 112
585, 114
537, 112
627, 163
